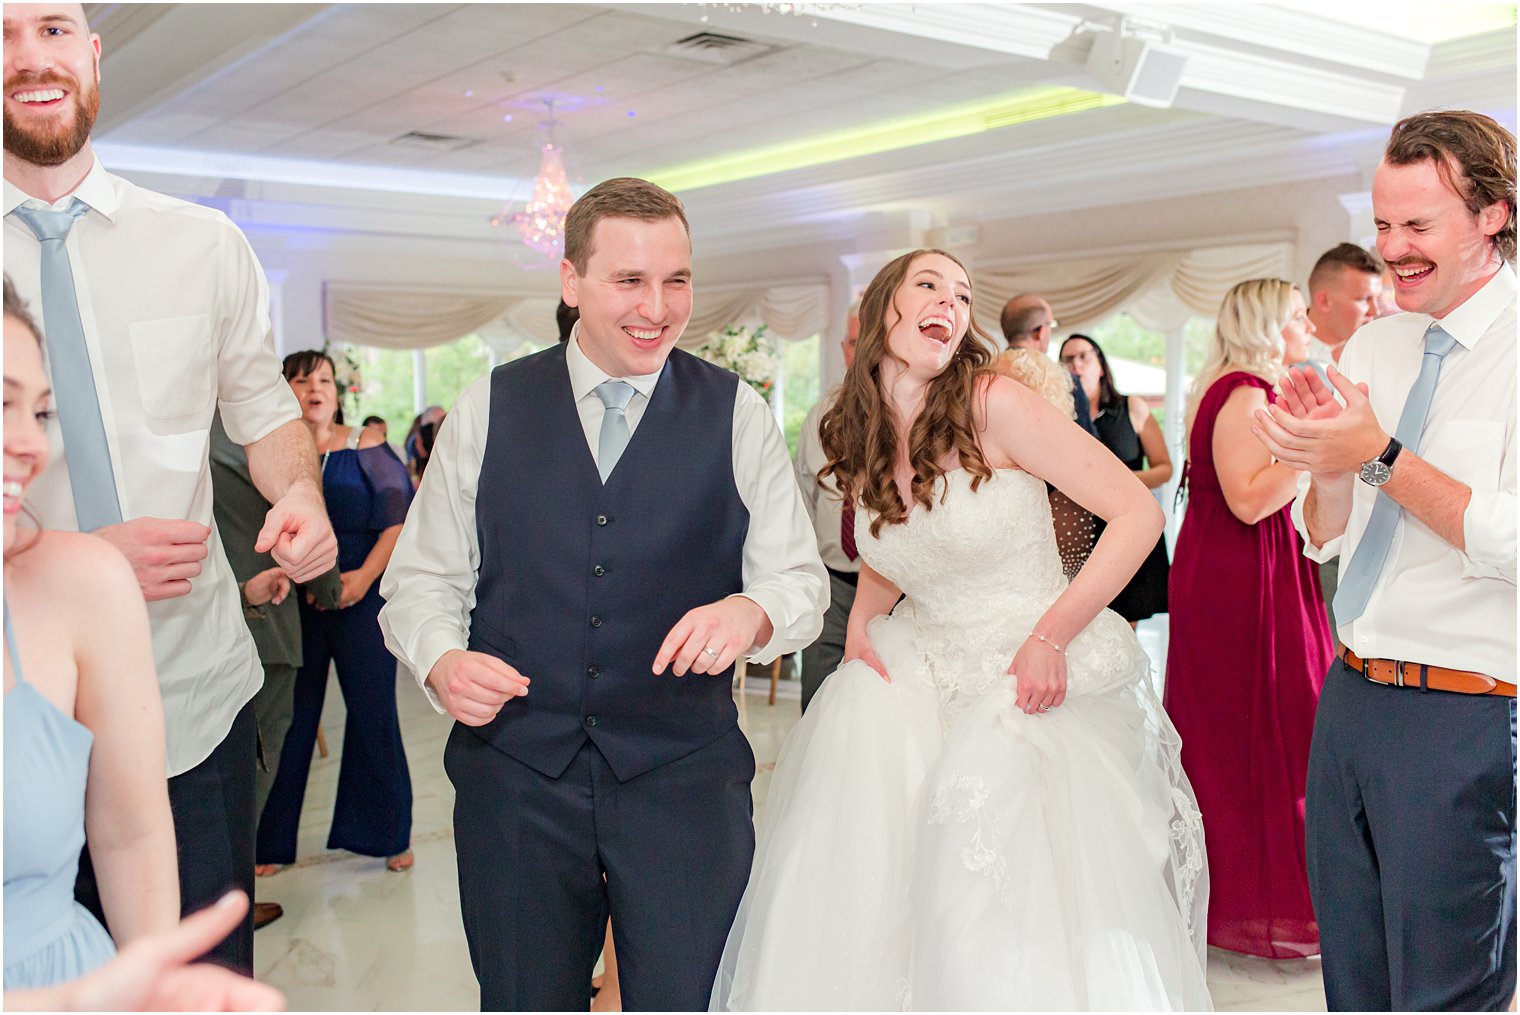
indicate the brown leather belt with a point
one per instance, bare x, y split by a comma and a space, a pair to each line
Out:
1428, 678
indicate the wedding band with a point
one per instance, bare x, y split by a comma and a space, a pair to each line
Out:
710, 652
1044, 708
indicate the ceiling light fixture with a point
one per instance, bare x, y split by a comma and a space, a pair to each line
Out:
1137, 60
541, 223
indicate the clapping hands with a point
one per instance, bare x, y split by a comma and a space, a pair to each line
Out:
1308, 430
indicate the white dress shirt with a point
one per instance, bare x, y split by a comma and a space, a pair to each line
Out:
1433, 603
429, 587
821, 497
176, 318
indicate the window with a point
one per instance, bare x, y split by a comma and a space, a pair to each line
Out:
1135, 349
390, 380
797, 387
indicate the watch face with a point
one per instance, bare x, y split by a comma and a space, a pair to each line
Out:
1375, 473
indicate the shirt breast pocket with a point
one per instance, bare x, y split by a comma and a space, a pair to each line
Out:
1469, 451
175, 359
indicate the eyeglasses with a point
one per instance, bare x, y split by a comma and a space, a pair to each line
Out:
1073, 358
1052, 324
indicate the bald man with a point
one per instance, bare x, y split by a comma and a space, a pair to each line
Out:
1028, 323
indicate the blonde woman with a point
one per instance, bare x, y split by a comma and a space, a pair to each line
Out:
1249, 640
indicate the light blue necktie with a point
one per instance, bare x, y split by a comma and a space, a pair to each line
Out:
615, 396
1372, 551
84, 432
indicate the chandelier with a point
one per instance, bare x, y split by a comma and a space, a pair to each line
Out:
541, 223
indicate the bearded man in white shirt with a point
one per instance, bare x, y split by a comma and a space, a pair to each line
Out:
156, 314
603, 528
1411, 795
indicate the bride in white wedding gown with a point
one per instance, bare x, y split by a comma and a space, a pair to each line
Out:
983, 807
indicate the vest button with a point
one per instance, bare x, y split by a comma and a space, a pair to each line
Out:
599, 570
596, 621
601, 519
593, 672
591, 720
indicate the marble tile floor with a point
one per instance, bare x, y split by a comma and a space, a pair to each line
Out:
356, 937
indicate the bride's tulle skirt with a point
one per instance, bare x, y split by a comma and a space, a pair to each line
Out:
1009, 862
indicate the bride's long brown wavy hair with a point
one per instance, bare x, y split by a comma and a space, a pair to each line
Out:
859, 433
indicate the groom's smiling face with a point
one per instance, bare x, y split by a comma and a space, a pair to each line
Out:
635, 297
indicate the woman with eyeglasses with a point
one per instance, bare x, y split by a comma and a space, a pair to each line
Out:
1127, 428
1249, 641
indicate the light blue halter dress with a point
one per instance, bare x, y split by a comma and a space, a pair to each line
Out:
49, 938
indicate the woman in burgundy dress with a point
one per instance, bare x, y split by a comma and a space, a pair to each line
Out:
1249, 640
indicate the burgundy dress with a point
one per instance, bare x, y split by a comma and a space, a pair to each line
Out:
1249, 651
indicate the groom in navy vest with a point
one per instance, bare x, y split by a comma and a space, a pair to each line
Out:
603, 529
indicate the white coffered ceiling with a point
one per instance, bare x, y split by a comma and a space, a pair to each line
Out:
293, 110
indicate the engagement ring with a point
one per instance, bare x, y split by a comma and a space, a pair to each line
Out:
1044, 708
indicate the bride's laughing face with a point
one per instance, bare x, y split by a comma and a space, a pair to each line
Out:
934, 304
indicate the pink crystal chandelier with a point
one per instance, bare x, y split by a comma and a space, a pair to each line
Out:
541, 223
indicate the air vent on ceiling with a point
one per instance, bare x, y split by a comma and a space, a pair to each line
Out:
714, 47
433, 142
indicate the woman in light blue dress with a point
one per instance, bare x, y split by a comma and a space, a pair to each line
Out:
84, 727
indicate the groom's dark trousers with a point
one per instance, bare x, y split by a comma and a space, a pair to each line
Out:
607, 788
675, 844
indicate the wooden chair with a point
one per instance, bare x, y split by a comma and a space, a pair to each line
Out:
743, 670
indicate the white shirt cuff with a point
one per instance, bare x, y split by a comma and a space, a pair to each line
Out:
1318, 554
430, 648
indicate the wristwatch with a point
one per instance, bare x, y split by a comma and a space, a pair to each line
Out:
1380, 469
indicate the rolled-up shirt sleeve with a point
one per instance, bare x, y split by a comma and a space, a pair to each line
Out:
1318, 554
1488, 525
429, 586
251, 392
782, 570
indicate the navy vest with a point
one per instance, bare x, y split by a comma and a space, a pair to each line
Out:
579, 583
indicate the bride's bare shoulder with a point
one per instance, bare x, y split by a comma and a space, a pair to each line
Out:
74, 570
1002, 401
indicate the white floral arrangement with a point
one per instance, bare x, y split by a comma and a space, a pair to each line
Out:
747, 353
346, 375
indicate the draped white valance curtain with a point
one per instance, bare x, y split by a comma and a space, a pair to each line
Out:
398, 318
790, 313
1159, 289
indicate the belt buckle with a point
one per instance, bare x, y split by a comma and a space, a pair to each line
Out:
1399, 679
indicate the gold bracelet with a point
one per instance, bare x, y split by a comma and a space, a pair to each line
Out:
1047, 641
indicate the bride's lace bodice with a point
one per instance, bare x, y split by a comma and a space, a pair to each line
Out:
976, 555
979, 571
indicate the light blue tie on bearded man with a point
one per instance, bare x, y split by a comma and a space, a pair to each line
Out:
1371, 553
615, 396
84, 433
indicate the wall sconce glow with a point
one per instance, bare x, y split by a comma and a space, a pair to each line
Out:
958, 121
